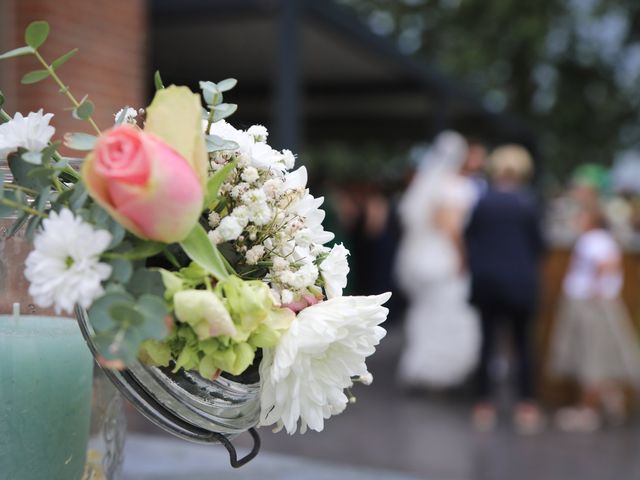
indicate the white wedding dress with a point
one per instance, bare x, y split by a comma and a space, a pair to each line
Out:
442, 331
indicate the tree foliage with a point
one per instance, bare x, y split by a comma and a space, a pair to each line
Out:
571, 68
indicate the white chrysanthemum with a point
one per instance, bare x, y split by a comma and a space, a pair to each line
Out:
304, 377
64, 267
32, 133
334, 270
263, 157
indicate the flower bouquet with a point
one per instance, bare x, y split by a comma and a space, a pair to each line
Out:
192, 246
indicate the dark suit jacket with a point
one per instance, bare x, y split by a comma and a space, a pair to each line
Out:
504, 245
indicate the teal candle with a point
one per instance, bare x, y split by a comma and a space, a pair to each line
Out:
46, 375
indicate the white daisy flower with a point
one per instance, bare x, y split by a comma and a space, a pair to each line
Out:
32, 133
64, 267
303, 378
334, 270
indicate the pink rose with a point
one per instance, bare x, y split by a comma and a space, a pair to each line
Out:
144, 184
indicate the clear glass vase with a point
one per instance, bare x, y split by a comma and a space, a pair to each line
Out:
58, 420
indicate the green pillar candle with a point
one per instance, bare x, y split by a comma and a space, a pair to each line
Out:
46, 375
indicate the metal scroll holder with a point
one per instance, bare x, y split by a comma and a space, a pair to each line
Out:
185, 404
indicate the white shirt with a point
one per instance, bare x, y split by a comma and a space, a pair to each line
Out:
582, 280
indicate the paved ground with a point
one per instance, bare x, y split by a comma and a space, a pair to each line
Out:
429, 437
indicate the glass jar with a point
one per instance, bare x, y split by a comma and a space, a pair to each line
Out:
60, 415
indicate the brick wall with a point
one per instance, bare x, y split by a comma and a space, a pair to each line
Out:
110, 65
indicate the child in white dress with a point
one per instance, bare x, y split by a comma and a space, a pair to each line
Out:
594, 342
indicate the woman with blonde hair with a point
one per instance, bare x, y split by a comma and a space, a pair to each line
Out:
504, 245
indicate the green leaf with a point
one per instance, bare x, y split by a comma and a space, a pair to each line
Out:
224, 110
217, 144
146, 282
99, 315
126, 313
16, 52
34, 158
200, 249
80, 141
157, 80
154, 311
34, 77
78, 197
58, 62
28, 175
215, 182
141, 251
227, 84
210, 93
153, 352
36, 34
121, 270
7, 211
119, 344
84, 110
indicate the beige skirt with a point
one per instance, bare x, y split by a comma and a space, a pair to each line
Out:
594, 342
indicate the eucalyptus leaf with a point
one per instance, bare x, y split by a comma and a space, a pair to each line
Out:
78, 197
80, 141
34, 77
18, 224
217, 144
200, 249
84, 110
125, 313
34, 158
226, 84
16, 52
99, 315
36, 34
58, 62
210, 93
224, 110
145, 281
32, 226
118, 345
22, 173
154, 311
121, 270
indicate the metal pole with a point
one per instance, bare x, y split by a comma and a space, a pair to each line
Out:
286, 80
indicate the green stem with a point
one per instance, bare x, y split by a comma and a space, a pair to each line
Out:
29, 210
207, 283
4, 116
13, 186
64, 88
172, 259
210, 119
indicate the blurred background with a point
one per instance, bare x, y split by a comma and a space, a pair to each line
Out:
360, 89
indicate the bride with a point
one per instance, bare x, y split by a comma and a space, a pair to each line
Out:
442, 334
